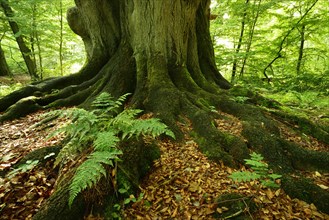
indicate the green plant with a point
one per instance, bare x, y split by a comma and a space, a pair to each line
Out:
27, 166
260, 172
240, 99
6, 89
103, 128
128, 199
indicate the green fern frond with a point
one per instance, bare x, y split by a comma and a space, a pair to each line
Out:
90, 171
105, 140
105, 104
244, 176
125, 117
104, 100
129, 126
153, 127
260, 171
254, 163
256, 157
104, 127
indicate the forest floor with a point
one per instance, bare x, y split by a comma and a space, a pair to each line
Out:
183, 183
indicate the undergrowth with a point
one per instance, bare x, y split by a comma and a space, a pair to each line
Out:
102, 128
260, 172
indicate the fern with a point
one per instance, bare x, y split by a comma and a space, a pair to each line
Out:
105, 140
90, 171
244, 176
103, 128
260, 172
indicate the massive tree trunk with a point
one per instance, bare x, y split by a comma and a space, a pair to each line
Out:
161, 52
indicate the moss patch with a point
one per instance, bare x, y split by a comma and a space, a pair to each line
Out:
305, 190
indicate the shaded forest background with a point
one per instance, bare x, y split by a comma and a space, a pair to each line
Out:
279, 48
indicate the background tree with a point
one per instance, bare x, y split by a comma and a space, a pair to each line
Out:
239, 44
25, 51
40, 21
273, 19
4, 68
161, 52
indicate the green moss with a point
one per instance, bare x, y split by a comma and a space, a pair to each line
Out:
305, 125
263, 141
240, 91
304, 159
305, 190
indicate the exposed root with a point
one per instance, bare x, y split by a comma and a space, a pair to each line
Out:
116, 77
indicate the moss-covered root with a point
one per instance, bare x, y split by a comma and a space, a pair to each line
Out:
137, 159
304, 125
307, 191
56, 207
283, 156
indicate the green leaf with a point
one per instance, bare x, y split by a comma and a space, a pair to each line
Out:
274, 176
269, 183
244, 176
122, 191
127, 201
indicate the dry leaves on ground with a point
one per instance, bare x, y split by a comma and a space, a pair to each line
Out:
184, 184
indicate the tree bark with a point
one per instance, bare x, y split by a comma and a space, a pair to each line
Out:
238, 47
161, 52
301, 49
251, 34
4, 68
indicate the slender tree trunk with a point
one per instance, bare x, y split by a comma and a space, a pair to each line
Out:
61, 37
4, 68
39, 54
26, 52
285, 37
301, 49
251, 35
237, 51
33, 32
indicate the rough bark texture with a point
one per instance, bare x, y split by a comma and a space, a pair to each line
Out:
161, 52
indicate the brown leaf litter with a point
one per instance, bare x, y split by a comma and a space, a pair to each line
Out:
183, 184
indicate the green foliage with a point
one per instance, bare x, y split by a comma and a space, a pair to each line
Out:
260, 172
103, 128
240, 99
268, 27
6, 89
29, 165
39, 22
129, 198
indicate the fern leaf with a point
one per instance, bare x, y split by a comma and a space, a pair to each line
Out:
90, 171
87, 174
105, 140
274, 176
244, 176
106, 157
255, 163
256, 157
136, 127
102, 101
